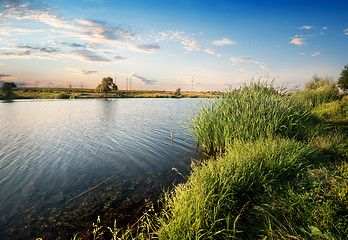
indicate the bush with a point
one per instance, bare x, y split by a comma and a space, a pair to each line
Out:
62, 96
254, 111
318, 91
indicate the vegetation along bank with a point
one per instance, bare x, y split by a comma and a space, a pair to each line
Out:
277, 170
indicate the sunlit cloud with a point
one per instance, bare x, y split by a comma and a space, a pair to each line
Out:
148, 48
81, 71
298, 41
143, 80
346, 32
325, 28
189, 43
209, 51
9, 31
89, 31
267, 69
236, 60
88, 56
4, 76
224, 42
306, 27
67, 44
316, 54
50, 53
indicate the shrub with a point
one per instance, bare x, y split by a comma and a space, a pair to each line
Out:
62, 96
318, 91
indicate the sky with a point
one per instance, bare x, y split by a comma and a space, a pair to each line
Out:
166, 44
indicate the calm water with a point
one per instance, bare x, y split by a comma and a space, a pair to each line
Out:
53, 151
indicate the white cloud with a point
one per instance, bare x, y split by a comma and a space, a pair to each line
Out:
316, 54
209, 51
346, 32
236, 60
85, 32
306, 27
267, 69
224, 42
325, 28
147, 48
298, 41
189, 43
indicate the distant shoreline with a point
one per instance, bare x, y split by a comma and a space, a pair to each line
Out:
83, 93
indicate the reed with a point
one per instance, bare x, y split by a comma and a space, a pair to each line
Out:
219, 193
256, 110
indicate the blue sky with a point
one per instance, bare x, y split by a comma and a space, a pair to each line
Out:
163, 45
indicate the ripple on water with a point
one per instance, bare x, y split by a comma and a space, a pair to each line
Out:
51, 151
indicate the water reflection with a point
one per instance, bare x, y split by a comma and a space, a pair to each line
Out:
54, 153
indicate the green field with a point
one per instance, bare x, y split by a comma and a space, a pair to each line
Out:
75, 93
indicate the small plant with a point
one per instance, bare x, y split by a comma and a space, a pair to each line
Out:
62, 96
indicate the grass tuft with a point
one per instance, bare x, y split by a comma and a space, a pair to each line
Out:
254, 111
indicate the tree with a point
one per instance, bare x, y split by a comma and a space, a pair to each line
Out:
177, 92
319, 82
6, 89
343, 79
106, 86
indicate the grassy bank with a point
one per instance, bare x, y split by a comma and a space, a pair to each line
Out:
73, 93
278, 170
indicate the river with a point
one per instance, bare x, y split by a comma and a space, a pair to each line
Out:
65, 162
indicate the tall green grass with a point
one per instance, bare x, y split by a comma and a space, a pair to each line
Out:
218, 193
251, 112
335, 110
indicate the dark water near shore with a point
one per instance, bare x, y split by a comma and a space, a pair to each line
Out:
51, 151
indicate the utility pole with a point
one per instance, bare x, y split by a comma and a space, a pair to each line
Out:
130, 83
192, 84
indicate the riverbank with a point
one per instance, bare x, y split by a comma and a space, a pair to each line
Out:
75, 93
278, 170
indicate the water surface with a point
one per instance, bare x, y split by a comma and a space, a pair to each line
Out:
64, 162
